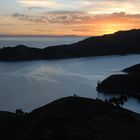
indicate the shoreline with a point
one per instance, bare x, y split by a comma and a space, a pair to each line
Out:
94, 46
125, 84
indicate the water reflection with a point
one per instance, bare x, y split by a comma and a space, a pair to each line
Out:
31, 84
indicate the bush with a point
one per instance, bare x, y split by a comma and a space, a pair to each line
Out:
117, 101
19, 112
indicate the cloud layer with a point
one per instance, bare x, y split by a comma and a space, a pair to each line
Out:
66, 17
91, 6
78, 18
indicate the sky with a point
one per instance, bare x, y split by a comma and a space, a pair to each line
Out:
68, 17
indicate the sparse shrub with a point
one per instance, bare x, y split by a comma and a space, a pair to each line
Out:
117, 101
19, 112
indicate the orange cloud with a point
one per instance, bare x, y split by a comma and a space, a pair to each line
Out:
61, 23
78, 18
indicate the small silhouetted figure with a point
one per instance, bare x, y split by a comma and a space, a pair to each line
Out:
19, 112
98, 82
75, 95
106, 101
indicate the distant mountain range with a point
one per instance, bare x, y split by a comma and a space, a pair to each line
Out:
119, 43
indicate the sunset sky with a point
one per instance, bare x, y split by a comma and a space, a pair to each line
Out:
68, 17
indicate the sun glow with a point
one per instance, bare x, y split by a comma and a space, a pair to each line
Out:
109, 28
68, 17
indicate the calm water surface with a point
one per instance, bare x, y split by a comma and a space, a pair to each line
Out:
39, 42
31, 84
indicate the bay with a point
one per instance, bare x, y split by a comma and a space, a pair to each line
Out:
31, 84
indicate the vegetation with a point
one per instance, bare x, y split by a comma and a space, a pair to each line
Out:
19, 112
118, 101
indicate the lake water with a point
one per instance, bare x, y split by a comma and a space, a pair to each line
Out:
39, 42
32, 84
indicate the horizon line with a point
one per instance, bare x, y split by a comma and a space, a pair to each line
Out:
25, 35
6, 35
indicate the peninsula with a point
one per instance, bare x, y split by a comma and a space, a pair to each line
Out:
119, 43
128, 83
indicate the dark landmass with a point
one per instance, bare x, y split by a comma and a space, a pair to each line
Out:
119, 43
124, 84
72, 118
133, 70
20, 53
128, 84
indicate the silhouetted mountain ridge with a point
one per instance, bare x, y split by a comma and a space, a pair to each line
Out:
72, 118
119, 43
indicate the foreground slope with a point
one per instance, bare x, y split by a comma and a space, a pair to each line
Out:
73, 118
119, 43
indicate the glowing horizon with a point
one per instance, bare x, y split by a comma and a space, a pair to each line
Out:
71, 17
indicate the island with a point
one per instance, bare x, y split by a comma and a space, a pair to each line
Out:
127, 83
119, 43
71, 118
